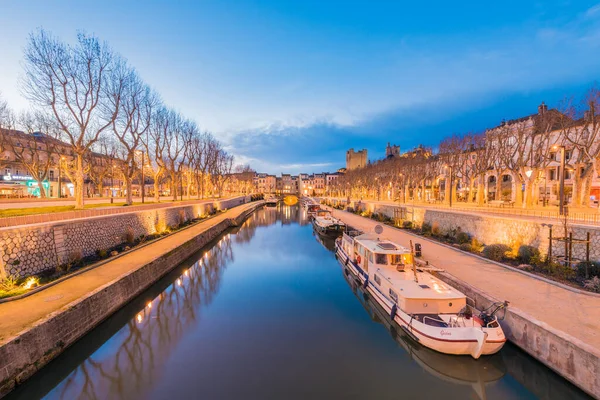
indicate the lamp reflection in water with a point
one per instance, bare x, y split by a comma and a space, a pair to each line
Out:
145, 342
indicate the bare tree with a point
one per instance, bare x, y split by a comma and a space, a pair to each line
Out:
72, 82
132, 122
36, 151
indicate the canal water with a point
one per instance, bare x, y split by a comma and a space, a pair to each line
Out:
265, 312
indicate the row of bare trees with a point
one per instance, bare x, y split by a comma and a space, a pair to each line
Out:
523, 149
100, 119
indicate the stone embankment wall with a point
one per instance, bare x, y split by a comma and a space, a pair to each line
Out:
33, 249
490, 229
569, 357
26, 353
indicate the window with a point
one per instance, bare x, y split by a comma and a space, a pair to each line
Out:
51, 173
568, 154
552, 174
396, 259
380, 259
394, 296
377, 279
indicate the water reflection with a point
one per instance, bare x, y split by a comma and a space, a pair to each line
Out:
265, 313
457, 370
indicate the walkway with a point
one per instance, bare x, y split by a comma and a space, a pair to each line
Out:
573, 313
21, 314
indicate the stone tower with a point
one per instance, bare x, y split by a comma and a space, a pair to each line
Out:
356, 159
392, 151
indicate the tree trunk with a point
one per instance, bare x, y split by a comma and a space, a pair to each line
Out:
79, 183
498, 187
40, 183
128, 188
157, 187
174, 186
481, 190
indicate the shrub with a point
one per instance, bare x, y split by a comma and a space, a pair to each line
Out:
407, 224
476, 245
593, 284
496, 252
526, 253
102, 253
9, 283
462, 237
426, 228
435, 229
557, 270
525, 267
593, 269
129, 236
466, 247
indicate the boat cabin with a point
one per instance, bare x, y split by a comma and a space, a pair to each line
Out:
390, 267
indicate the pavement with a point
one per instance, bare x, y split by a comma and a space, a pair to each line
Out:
577, 314
19, 315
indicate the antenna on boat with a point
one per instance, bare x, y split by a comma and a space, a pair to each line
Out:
414, 265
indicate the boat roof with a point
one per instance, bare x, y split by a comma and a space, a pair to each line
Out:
428, 287
382, 246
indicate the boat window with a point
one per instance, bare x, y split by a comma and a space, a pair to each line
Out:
394, 296
377, 279
381, 259
370, 257
407, 259
396, 259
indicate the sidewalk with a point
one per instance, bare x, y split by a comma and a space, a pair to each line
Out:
573, 313
21, 314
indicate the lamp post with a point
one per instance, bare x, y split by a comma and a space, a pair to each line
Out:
59, 176
561, 192
112, 175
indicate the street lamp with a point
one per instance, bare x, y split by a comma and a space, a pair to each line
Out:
561, 193
112, 174
60, 160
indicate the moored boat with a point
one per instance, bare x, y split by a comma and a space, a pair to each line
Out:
428, 310
325, 224
271, 201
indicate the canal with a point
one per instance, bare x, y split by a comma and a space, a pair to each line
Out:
265, 312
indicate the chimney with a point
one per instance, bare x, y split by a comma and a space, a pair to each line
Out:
542, 108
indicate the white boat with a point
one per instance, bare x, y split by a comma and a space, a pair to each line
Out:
428, 310
456, 370
311, 209
271, 201
325, 224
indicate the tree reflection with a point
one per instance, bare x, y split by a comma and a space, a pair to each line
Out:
127, 364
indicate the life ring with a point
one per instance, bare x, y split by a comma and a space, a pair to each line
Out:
358, 259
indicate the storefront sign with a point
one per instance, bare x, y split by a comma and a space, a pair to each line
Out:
17, 178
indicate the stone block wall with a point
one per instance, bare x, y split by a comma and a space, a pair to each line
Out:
33, 249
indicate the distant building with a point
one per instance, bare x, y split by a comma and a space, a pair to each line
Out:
392, 151
356, 159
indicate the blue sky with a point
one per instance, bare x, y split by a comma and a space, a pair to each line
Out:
289, 86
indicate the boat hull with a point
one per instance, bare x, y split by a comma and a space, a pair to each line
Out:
475, 341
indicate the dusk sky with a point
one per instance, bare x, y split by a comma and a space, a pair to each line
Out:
289, 86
